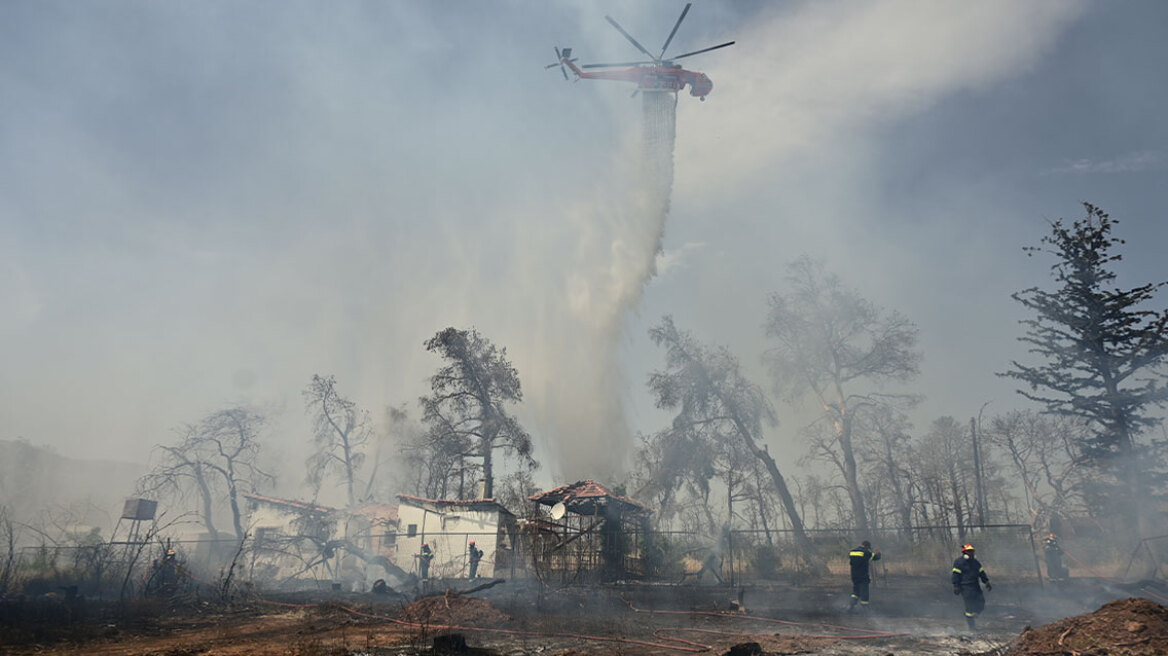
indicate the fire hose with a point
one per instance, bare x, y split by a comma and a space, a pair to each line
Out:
666, 641
532, 634
690, 647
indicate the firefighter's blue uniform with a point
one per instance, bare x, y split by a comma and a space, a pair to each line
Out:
859, 558
967, 572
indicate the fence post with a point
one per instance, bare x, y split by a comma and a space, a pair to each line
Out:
730, 549
1034, 551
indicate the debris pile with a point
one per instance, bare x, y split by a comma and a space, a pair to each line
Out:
453, 610
1126, 627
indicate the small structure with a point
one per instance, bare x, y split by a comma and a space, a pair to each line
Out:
289, 538
294, 539
448, 526
588, 531
135, 512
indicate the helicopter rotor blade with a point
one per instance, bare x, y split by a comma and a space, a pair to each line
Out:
698, 52
617, 64
675, 26
628, 36
560, 61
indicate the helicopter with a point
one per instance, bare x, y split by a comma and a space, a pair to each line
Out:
655, 74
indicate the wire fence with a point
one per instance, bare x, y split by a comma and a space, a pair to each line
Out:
560, 554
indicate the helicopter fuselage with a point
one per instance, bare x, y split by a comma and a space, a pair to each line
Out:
652, 77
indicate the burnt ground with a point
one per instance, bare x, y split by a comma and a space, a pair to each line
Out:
908, 617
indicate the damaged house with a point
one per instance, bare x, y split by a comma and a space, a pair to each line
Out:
586, 532
296, 540
448, 526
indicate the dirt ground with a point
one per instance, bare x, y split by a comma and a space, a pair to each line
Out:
1125, 627
906, 618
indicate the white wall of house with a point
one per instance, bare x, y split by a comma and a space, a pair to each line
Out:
448, 533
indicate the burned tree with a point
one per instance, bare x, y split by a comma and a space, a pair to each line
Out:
466, 407
435, 466
829, 342
887, 445
944, 467
216, 458
1046, 454
707, 389
340, 432
8, 538
1101, 353
942, 479
418, 464
671, 463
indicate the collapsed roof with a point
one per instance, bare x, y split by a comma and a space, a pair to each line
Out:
442, 505
290, 505
587, 497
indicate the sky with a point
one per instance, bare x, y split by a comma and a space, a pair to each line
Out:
204, 204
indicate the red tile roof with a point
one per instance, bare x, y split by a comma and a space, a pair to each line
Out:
583, 494
383, 512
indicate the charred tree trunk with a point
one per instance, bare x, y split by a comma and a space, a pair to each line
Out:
205, 495
852, 483
806, 549
902, 505
843, 427
488, 471
761, 500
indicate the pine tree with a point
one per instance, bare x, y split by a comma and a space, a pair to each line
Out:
1102, 353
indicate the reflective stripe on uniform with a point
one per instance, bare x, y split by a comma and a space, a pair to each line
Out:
856, 553
968, 614
956, 570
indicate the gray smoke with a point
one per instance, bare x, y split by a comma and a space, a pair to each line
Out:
583, 412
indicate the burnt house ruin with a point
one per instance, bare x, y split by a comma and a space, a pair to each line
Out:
586, 532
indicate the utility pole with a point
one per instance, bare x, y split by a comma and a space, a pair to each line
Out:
981, 513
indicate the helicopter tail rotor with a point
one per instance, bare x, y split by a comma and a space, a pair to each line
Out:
562, 56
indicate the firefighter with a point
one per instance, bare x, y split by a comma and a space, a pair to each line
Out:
424, 561
860, 558
476, 555
967, 572
1054, 559
164, 574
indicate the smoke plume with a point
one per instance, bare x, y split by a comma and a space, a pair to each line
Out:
583, 413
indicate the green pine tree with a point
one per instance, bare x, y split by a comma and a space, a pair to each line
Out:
1101, 354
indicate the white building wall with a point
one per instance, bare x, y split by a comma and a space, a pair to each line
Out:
449, 535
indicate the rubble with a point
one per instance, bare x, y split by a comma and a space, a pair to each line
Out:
1125, 627
454, 610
